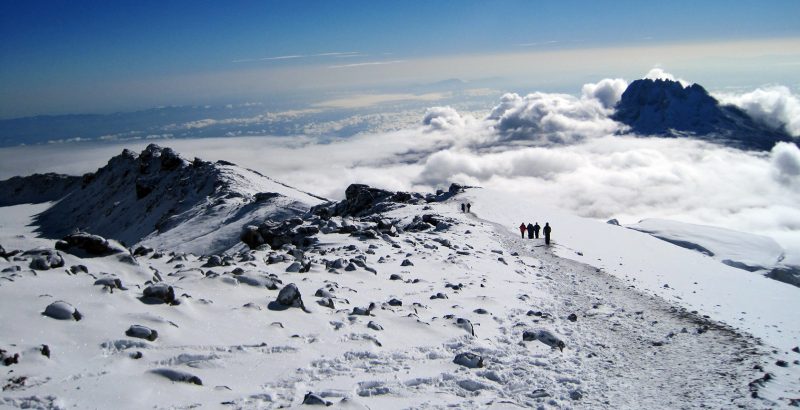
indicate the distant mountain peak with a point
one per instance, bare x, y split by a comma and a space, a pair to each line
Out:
668, 108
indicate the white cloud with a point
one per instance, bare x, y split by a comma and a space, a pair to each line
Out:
608, 91
551, 118
775, 106
657, 73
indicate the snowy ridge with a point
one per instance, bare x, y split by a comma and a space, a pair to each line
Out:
159, 199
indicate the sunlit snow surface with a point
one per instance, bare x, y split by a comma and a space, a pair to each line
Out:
249, 356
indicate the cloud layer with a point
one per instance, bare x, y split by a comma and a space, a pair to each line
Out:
559, 148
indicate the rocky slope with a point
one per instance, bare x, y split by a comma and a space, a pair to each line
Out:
157, 197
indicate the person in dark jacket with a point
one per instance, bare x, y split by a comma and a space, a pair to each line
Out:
547, 230
522, 230
469, 207
536, 230
530, 231
463, 207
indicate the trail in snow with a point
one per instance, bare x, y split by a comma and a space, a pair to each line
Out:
641, 344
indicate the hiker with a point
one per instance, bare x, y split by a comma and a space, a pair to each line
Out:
463, 207
547, 230
522, 229
536, 230
530, 231
468, 206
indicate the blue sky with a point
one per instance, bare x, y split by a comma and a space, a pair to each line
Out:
79, 56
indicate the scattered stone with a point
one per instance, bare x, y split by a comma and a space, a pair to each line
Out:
374, 326
142, 332
468, 359
178, 376
796, 349
613, 222
75, 269
45, 259
466, 325
142, 251
395, 302
782, 363
481, 311
159, 293
406, 262
111, 282
538, 394
8, 359
439, 295
294, 267
213, 261
544, 336
350, 267
575, 395
572, 317
288, 297
395, 276
363, 312
312, 399
62, 311
45, 350
326, 302
11, 269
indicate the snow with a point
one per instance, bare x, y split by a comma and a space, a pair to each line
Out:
222, 346
755, 252
750, 302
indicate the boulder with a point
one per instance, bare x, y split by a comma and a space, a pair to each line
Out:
87, 245
45, 259
62, 311
141, 332
468, 359
159, 293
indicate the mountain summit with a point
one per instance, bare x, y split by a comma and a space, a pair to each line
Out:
158, 198
667, 108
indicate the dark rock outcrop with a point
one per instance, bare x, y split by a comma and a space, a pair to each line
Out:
87, 245
667, 108
276, 234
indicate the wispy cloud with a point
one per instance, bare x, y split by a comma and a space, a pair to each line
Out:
337, 54
367, 64
539, 43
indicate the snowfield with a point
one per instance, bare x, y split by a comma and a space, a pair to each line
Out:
429, 317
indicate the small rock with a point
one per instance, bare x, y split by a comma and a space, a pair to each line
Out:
374, 326
782, 363
45, 350
468, 359
395, 302
395, 276
289, 296
575, 395
294, 267
62, 311
142, 332
158, 293
572, 317
350, 267
178, 376
312, 399
481, 311
406, 262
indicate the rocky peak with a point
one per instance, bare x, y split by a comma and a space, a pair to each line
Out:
667, 108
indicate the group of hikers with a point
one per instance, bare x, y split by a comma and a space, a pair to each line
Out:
466, 207
533, 231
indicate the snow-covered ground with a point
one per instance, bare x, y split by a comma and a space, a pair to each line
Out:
630, 343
